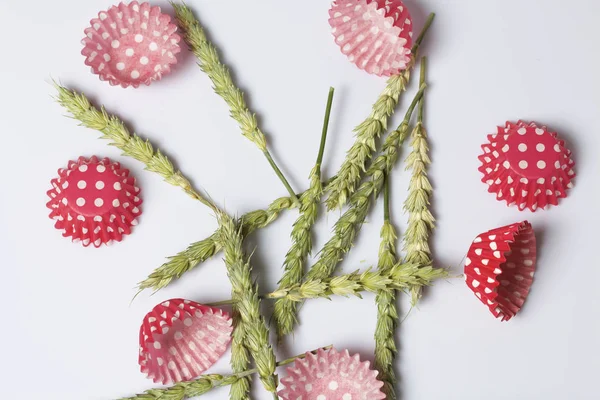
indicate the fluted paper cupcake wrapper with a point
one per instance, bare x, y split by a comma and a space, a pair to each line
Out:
499, 268
131, 44
330, 374
94, 201
527, 165
180, 339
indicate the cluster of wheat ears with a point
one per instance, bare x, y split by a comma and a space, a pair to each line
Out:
355, 187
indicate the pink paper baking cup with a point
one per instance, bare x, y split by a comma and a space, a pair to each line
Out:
329, 375
180, 339
527, 165
131, 44
376, 35
94, 201
499, 268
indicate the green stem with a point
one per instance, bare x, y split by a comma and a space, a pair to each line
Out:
422, 80
224, 303
386, 199
325, 128
285, 362
415, 102
195, 195
281, 177
208, 60
302, 356
419, 40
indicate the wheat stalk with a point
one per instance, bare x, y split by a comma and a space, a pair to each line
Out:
114, 130
350, 222
247, 303
301, 230
203, 384
420, 219
369, 130
387, 312
208, 60
401, 276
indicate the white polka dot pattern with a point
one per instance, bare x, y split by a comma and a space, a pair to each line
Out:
376, 35
131, 44
331, 375
533, 169
180, 339
86, 204
499, 268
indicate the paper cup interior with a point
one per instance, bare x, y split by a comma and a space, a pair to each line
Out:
131, 44
517, 273
182, 340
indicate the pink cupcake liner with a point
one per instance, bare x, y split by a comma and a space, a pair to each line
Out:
180, 339
94, 201
376, 35
527, 165
499, 268
329, 375
131, 44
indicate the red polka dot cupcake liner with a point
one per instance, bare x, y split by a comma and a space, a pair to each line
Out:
527, 165
131, 44
94, 201
376, 35
330, 374
180, 339
499, 268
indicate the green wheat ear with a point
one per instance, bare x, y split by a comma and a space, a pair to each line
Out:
402, 276
351, 171
350, 222
387, 310
247, 305
295, 258
116, 132
420, 219
208, 60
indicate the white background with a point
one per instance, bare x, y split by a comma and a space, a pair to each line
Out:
67, 328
